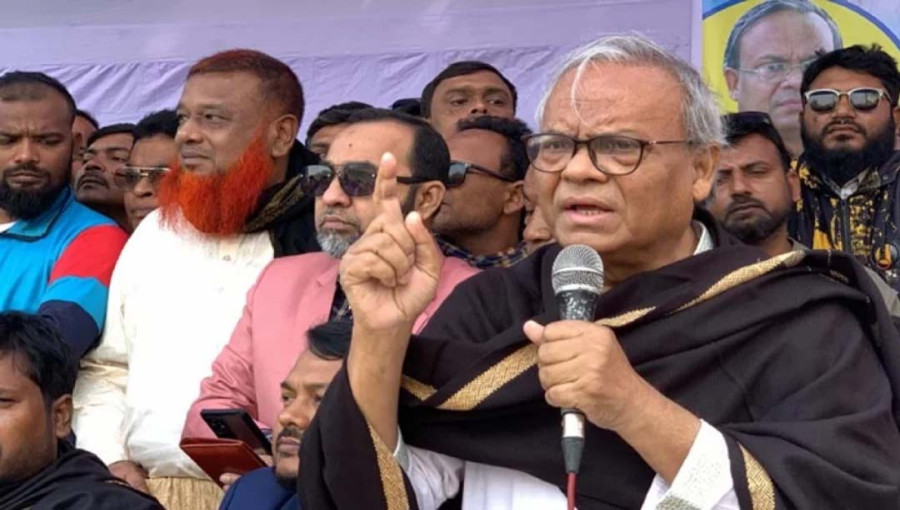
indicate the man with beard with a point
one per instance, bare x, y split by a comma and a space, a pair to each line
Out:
274, 488
106, 155
480, 220
707, 378
850, 193
39, 469
229, 205
153, 153
56, 255
465, 90
755, 189
295, 293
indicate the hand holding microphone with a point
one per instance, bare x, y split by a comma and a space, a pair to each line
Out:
581, 365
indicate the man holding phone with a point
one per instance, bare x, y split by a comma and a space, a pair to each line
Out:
274, 488
294, 294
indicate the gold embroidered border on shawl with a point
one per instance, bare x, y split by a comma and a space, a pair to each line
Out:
391, 475
495, 377
744, 275
762, 491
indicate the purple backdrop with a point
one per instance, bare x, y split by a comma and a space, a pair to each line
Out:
125, 58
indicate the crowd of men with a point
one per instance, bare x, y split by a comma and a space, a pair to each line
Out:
390, 276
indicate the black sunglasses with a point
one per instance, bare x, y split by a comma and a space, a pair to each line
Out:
456, 175
357, 179
861, 98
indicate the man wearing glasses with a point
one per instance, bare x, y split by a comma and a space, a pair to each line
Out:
709, 378
766, 53
849, 166
480, 220
295, 294
153, 151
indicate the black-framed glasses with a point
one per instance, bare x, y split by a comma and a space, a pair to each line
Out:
611, 154
861, 98
130, 176
777, 71
357, 179
456, 175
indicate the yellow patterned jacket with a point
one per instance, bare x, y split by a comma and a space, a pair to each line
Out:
860, 218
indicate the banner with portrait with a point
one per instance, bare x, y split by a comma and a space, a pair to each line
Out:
755, 51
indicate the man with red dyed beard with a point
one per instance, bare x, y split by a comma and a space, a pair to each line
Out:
229, 206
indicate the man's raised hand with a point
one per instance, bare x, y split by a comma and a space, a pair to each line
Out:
390, 274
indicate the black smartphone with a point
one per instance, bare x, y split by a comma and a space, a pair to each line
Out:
236, 424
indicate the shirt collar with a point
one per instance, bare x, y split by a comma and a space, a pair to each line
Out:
38, 227
705, 243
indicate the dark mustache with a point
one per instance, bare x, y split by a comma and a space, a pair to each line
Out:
844, 122
742, 201
291, 432
31, 169
90, 172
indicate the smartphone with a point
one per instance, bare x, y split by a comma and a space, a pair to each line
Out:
236, 424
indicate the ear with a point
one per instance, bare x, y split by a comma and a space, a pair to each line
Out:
793, 181
429, 197
732, 79
281, 135
705, 161
515, 198
61, 412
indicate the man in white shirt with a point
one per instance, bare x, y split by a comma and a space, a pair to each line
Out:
709, 379
229, 205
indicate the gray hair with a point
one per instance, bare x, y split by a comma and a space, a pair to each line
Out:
702, 124
335, 244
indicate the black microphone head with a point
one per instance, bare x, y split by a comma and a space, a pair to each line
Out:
577, 267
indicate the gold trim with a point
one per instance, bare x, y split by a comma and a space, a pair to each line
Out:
418, 389
391, 475
624, 319
744, 275
762, 492
492, 379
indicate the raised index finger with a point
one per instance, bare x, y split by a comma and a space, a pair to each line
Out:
385, 194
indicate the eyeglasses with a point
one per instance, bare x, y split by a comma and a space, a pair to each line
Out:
777, 71
456, 175
611, 154
861, 98
357, 179
130, 176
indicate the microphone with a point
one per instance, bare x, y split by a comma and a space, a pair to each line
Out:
577, 278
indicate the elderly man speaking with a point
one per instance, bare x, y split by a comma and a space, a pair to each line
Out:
710, 378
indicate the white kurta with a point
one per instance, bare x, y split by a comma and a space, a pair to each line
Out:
174, 300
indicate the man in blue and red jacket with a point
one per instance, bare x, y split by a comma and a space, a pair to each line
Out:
56, 255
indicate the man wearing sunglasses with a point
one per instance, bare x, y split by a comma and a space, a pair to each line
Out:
480, 220
153, 152
848, 171
756, 188
296, 293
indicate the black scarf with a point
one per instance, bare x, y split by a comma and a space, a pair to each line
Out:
77, 480
792, 359
286, 212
